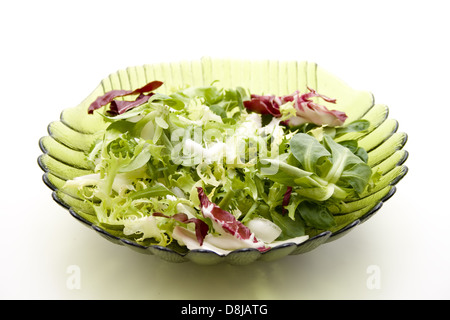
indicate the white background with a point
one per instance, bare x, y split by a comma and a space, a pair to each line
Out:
54, 53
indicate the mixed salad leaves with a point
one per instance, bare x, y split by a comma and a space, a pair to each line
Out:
221, 168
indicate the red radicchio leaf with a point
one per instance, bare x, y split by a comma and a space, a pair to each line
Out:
306, 109
118, 107
286, 198
263, 105
309, 111
226, 220
201, 228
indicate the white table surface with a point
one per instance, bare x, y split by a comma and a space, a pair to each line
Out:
54, 53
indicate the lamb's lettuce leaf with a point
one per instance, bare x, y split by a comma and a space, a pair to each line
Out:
316, 215
344, 168
321, 170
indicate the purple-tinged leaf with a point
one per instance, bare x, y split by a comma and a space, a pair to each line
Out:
109, 97
223, 220
264, 105
286, 198
201, 228
120, 106
307, 111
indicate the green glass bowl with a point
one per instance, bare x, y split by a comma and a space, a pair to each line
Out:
69, 138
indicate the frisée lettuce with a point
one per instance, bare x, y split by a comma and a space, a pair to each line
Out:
220, 168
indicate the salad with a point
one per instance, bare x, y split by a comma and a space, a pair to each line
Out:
221, 168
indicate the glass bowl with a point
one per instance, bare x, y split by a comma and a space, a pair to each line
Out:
70, 137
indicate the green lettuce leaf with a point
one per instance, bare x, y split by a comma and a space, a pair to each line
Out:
321, 170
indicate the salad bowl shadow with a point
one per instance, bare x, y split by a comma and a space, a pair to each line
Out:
69, 138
